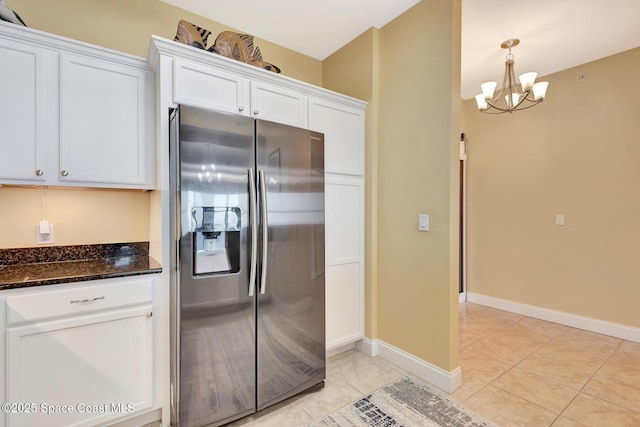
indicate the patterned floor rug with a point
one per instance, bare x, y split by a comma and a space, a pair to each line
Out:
403, 403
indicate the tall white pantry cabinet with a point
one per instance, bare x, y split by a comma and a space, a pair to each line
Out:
186, 75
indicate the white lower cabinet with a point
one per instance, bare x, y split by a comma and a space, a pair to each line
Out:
344, 248
85, 358
344, 305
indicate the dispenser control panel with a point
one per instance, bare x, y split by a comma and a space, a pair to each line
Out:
216, 239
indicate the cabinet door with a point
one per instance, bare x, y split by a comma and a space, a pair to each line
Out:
344, 259
98, 367
208, 87
343, 129
22, 112
279, 105
102, 122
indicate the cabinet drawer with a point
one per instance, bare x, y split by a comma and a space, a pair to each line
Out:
82, 299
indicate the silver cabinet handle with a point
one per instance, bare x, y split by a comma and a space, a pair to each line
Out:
241, 108
256, 112
64, 173
253, 215
77, 301
265, 231
149, 314
39, 172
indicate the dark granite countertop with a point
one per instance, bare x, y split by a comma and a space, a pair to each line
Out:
26, 267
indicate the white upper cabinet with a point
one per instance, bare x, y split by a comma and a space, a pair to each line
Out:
343, 128
198, 85
202, 85
73, 114
278, 104
102, 122
22, 112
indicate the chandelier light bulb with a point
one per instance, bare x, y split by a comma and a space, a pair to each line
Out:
527, 80
481, 100
488, 88
514, 100
540, 90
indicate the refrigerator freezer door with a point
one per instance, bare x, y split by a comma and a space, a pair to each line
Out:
217, 315
291, 327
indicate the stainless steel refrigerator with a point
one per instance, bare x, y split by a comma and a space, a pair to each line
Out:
247, 273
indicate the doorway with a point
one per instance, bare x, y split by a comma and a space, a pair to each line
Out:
462, 194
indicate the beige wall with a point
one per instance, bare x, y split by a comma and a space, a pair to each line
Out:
411, 167
79, 216
98, 216
127, 25
576, 154
353, 70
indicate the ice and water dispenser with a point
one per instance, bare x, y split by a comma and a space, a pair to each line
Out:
216, 240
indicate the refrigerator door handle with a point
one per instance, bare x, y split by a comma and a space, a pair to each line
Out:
265, 230
253, 214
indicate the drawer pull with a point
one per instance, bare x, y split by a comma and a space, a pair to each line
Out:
76, 301
149, 314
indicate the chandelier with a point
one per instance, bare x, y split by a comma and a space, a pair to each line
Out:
515, 98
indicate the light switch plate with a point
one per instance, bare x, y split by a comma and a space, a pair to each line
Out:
559, 219
423, 222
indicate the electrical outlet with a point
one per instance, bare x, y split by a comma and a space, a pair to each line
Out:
44, 238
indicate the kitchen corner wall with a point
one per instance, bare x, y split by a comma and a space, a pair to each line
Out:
89, 216
576, 155
408, 71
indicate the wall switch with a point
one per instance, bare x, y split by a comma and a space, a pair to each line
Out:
44, 238
423, 222
559, 219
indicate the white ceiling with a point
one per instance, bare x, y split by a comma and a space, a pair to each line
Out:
554, 34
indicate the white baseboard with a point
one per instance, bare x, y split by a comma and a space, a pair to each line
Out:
339, 349
447, 381
574, 320
368, 347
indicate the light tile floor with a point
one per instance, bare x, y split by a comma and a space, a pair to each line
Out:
520, 371
516, 371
